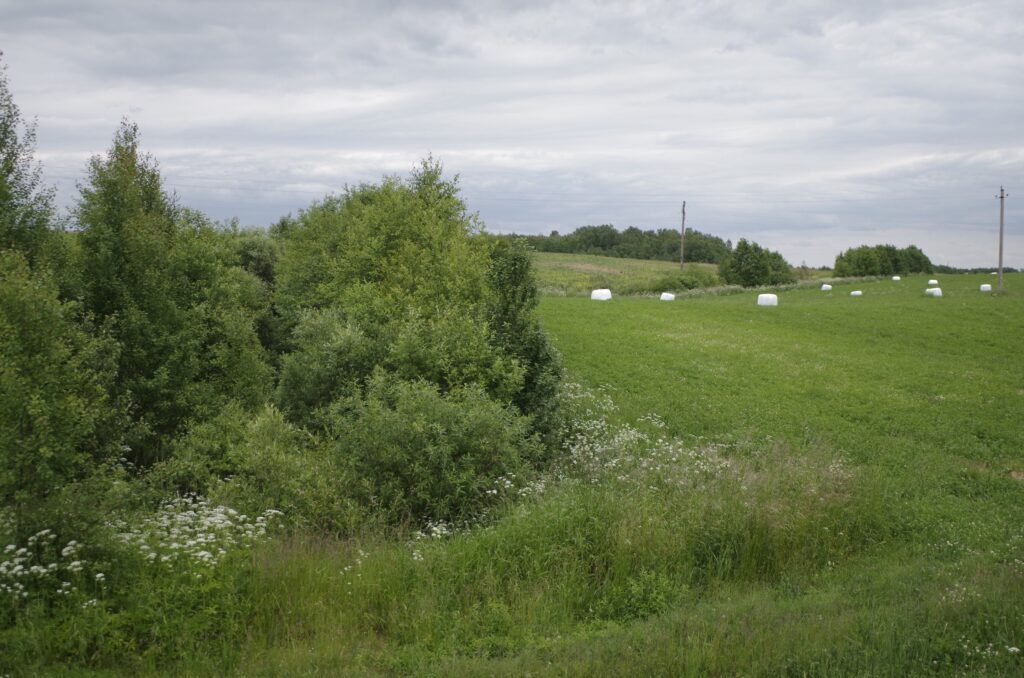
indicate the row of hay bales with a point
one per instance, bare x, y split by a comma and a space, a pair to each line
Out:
933, 290
767, 299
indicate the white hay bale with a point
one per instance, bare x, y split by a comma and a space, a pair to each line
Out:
933, 292
668, 296
856, 293
826, 288
933, 281
767, 300
895, 278
986, 288
601, 295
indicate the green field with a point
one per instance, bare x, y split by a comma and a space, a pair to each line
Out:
833, 488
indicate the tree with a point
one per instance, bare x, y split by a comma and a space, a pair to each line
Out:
57, 419
154, 275
26, 206
750, 265
869, 260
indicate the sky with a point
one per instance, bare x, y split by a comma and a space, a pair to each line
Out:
806, 126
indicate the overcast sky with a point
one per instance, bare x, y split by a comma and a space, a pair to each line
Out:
806, 126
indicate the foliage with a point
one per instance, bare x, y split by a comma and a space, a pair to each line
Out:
750, 265
511, 316
378, 249
882, 260
154, 275
397, 278
26, 206
57, 419
633, 243
421, 454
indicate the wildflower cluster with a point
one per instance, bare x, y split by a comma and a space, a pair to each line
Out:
42, 569
644, 455
187, 532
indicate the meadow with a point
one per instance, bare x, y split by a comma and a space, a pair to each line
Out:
561, 274
830, 487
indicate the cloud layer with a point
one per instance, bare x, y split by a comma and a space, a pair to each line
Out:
807, 126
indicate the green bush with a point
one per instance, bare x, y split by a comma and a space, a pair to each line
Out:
750, 265
418, 454
332, 357
511, 315
154, 274
691, 279
57, 421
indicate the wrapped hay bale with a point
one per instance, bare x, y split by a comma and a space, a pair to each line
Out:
933, 281
933, 292
826, 287
601, 295
986, 288
856, 293
767, 300
668, 296
895, 278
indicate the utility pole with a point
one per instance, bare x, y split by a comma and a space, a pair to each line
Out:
682, 240
1002, 202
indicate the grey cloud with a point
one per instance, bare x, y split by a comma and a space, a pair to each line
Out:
811, 125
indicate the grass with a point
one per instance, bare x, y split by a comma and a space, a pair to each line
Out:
578, 274
828, 487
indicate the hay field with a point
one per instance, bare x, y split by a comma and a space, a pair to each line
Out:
577, 274
920, 399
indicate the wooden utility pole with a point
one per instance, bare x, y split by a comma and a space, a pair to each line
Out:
682, 240
1002, 201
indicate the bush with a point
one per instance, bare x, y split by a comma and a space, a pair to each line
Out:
511, 316
680, 281
154, 274
418, 454
57, 421
750, 265
398, 278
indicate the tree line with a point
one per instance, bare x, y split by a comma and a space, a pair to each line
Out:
633, 243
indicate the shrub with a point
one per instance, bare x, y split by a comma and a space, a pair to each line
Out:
56, 419
680, 281
511, 315
154, 274
418, 454
750, 265
398, 278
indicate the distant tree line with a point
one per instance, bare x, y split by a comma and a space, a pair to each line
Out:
634, 243
882, 260
941, 268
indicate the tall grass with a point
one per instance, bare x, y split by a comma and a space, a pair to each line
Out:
577, 274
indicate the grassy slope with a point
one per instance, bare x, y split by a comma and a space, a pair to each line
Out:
926, 398
578, 274
891, 371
